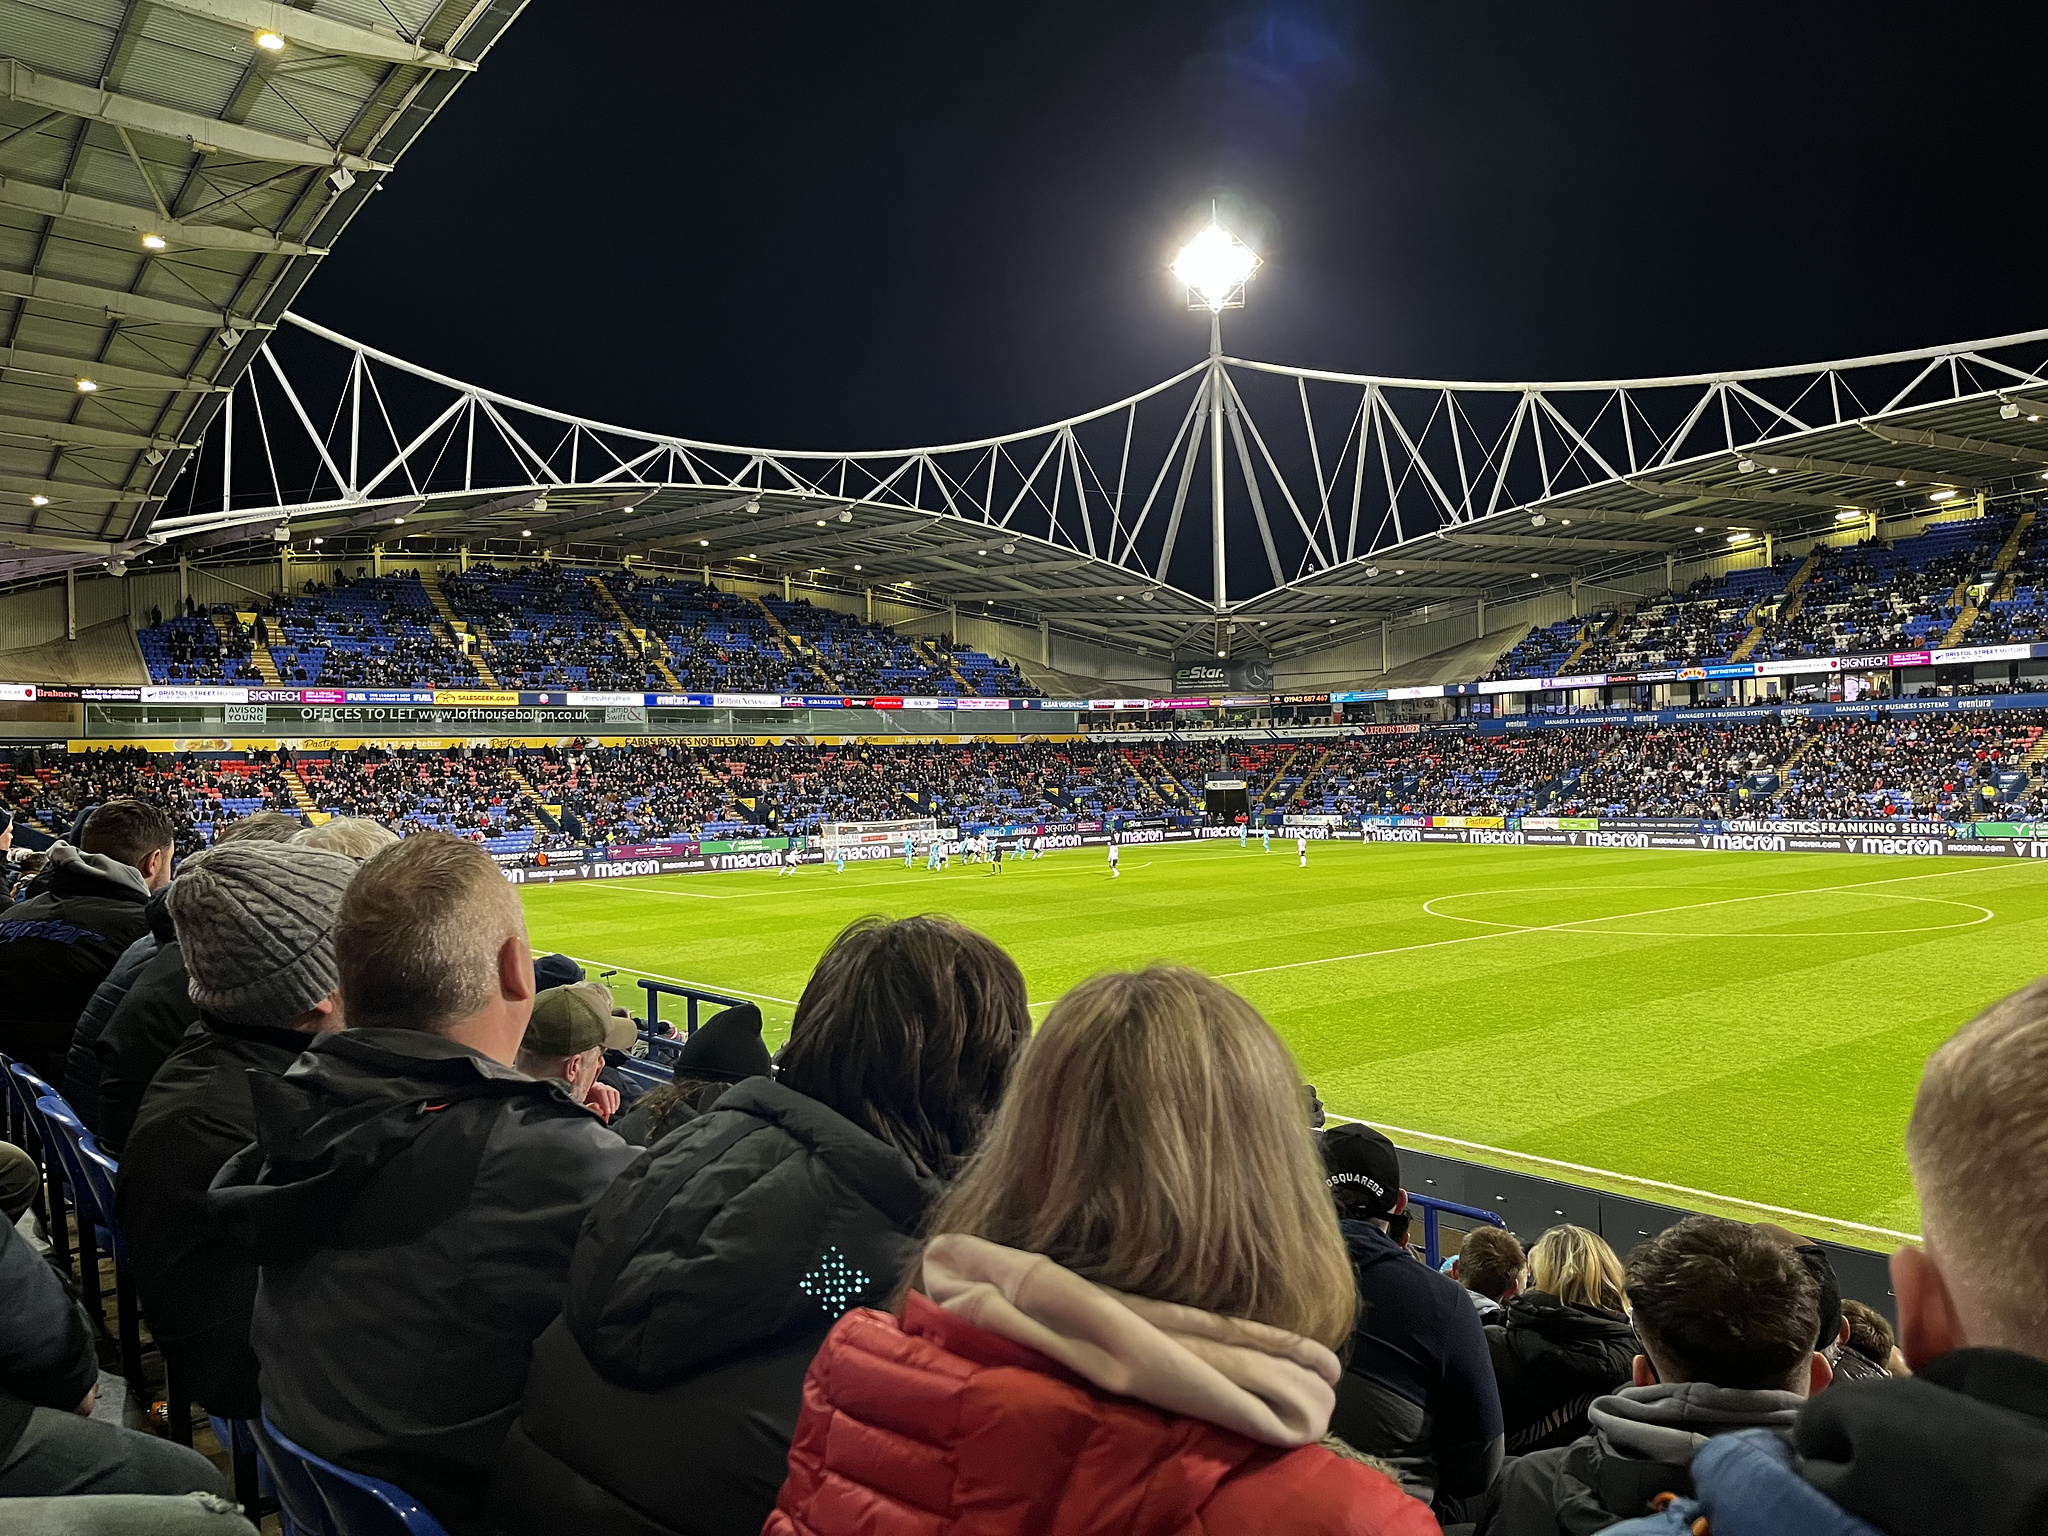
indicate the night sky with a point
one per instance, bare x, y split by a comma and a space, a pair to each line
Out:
847, 226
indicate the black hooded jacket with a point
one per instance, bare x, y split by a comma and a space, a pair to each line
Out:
81, 1084
46, 1350
145, 1028
1960, 1447
664, 1400
412, 1206
57, 947
1550, 1360
196, 1286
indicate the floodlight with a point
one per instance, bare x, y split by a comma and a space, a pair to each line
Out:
1564, 522
153, 456
526, 533
1402, 572
1372, 570
1214, 267
821, 522
1941, 495
269, 41
846, 516
2008, 410
230, 339
341, 178
1538, 520
39, 501
1535, 575
856, 566
1772, 470
1851, 514
154, 242
1009, 549
703, 543
397, 520
87, 386
1219, 653
1740, 538
318, 540
1745, 466
117, 567
1699, 527
981, 551
1119, 597
1900, 481
1146, 597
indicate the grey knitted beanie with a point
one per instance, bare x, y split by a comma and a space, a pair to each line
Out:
256, 923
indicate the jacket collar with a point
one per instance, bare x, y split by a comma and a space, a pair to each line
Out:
2002, 1378
1667, 1422
75, 873
273, 1035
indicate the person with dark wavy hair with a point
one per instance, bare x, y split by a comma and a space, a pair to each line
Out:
665, 1397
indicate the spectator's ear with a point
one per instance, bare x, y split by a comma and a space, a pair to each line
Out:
1642, 1373
1819, 1374
1928, 1325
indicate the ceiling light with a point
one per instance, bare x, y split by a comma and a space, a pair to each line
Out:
703, 543
1699, 527
318, 540
1119, 597
821, 522
981, 551
1564, 522
1746, 466
87, 386
856, 565
1535, 575
1401, 572
1941, 495
1214, 267
1740, 538
269, 41
750, 557
2033, 418
154, 242
397, 520
526, 533
1262, 623
1333, 621
39, 501
2008, 410
1851, 515
1771, 471
1219, 653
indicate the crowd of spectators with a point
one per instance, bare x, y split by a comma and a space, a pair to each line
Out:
1925, 768
401, 1189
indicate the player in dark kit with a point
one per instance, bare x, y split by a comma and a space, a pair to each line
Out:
995, 856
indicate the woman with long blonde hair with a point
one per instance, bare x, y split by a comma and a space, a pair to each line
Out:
1564, 1341
1131, 1303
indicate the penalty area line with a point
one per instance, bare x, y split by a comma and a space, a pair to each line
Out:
1627, 1178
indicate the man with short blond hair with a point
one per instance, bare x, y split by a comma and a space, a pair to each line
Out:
412, 1198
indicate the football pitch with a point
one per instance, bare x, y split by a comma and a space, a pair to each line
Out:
1715, 1030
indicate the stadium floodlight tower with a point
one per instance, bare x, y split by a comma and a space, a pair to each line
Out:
1215, 267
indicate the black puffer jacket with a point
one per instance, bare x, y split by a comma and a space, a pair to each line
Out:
664, 1399
145, 1028
1550, 1360
57, 947
81, 1086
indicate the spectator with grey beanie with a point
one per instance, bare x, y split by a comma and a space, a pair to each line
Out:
255, 921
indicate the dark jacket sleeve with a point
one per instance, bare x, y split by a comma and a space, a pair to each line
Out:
1464, 1410
82, 1067
145, 1029
46, 1351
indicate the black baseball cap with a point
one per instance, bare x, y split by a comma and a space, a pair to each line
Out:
1364, 1163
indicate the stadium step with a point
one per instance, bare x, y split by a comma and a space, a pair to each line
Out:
2006, 555
452, 626
525, 787
938, 658
301, 796
1309, 777
1270, 795
2034, 754
1784, 769
789, 646
1564, 668
1792, 597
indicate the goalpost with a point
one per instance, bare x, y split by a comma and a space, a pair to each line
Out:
845, 836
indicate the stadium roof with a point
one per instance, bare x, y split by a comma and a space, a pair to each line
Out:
171, 173
1336, 501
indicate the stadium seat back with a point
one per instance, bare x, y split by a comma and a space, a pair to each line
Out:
341, 1502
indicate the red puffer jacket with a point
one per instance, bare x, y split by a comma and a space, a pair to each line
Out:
928, 1424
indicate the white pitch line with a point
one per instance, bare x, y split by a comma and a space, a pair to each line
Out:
1577, 923
1629, 1178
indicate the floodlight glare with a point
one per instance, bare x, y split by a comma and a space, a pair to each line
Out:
268, 41
1214, 267
39, 501
1941, 495
86, 386
526, 533
154, 242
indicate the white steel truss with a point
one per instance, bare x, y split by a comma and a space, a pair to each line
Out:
1315, 479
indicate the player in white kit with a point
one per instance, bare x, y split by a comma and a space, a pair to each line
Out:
1301, 847
1114, 872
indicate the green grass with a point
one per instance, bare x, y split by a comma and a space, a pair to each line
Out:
1750, 1025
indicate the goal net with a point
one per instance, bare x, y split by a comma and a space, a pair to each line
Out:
835, 836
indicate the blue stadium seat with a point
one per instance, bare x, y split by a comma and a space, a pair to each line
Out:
322, 1499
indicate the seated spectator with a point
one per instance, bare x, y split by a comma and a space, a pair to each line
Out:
81, 1087
726, 1049
81, 914
665, 1398
1417, 1390
1727, 1316
1563, 1343
564, 1043
1132, 1303
158, 1010
1962, 1443
19, 1180
1489, 1266
50, 1445
411, 1198
1872, 1348
255, 922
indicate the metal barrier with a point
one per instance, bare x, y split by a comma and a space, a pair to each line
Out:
1431, 1208
662, 1049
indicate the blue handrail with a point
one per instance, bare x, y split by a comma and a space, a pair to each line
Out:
663, 1047
1431, 1208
